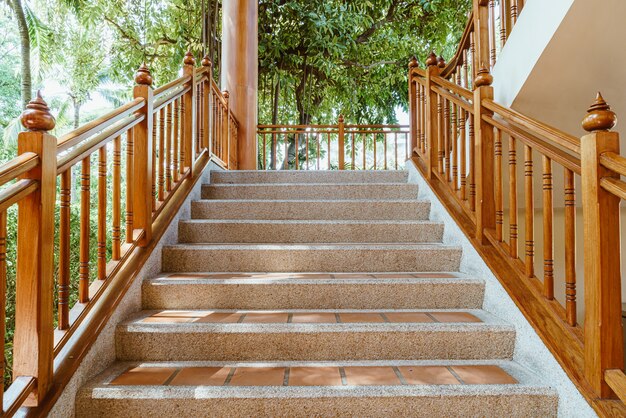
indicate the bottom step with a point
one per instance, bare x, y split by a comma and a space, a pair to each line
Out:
299, 389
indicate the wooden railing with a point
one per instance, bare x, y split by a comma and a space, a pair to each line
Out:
333, 147
145, 157
503, 176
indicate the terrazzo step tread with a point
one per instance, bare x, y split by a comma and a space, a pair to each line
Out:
312, 257
489, 337
311, 209
357, 176
313, 291
179, 389
289, 231
300, 191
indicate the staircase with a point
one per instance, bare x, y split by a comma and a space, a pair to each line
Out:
313, 294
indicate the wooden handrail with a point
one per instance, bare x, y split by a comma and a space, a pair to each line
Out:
472, 150
171, 134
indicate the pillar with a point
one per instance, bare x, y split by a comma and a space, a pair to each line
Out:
239, 73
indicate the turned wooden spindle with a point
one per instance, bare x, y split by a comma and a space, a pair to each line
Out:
342, 142
414, 101
189, 112
432, 118
102, 213
548, 239
206, 102
604, 346
116, 251
570, 248
34, 324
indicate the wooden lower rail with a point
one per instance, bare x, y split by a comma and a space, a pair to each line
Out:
130, 171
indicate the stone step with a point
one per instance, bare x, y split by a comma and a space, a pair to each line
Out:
267, 335
313, 291
258, 231
310, 257
304, 389
309, 191
260, 177
311, 209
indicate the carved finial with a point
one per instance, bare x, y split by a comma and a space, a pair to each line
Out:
441, 63
189, 59
599, 117
484, 78
143, 76
206, 61
37, 116
341, 118
413, 62
226, 94
431, 60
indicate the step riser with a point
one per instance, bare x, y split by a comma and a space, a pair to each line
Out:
311, 210
198, 232
508, 405
317, 346
304, 191
248, 177
183, 259
456, 295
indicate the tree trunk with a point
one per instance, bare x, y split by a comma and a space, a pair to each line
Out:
27, 86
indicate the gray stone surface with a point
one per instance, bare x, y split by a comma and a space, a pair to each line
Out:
310, 258
198, 292
357, 176
311, 209
305, 191
255, 231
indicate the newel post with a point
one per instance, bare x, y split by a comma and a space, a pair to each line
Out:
484, 160
342, 142
481, 29
34, 324
432, 119
189, 113
206, 97
142, 165
413, 105
603, 305
226, 128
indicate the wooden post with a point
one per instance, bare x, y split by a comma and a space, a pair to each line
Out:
485, 155
189, 118
413, 105
481, 30
226, 128
342, 143
206, 116
142, 165
603, 305
432, 127
33, 350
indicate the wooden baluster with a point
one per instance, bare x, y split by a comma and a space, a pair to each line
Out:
432, 125
317, 141
153, 196
498, 184
206, 102
33, 351
548, 240
306, 156
513, 228
530, 212
396, 149
603, 341
513, 11
130, 181
116, 251
473, 60
570, 248
462, 137
492, 32
423, 120
3, 292
175, 169
162, 154
328, 148
440, 136
484, 171
471, 177
226, 134
455, 145
181, 161
64, 250
342, 146
446, 138
168, 149
503, 23
406, 143
102, 213
414, 99
85, 228
418, 118
142, 187
374, 145
199, 124
189, 110
297, 152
